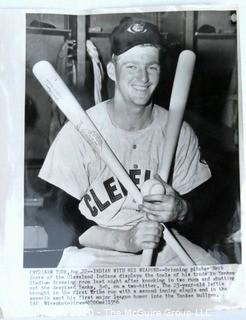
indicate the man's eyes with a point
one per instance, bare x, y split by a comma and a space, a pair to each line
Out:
153, 67
131, 66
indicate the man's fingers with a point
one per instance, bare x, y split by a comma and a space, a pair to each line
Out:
151, 238
146, 235
155, 217
155, 230
166, 204
149, 225
168, 217
154, 197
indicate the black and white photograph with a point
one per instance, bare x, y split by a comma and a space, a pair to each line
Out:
131, 140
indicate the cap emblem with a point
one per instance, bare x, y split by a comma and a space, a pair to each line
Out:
137, 27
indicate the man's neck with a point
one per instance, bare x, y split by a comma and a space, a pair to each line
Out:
128, 117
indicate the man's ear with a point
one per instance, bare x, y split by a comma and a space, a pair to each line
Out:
111, 70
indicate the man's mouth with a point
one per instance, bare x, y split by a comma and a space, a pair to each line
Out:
141, 88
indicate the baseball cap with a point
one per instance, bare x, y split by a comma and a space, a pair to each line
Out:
132, 32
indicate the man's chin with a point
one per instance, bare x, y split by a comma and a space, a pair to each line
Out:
142, 101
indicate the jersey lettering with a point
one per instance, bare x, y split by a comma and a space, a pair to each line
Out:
111, 188
93, 210
133, 174
147, 175
123, 189
101, 206
95, 204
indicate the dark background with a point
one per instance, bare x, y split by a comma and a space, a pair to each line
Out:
52, 220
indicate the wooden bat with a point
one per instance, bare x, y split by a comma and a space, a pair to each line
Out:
62, 96
179, 95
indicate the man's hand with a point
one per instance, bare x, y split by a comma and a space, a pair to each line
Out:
144, 235
164, 207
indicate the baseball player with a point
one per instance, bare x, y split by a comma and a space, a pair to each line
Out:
134, 128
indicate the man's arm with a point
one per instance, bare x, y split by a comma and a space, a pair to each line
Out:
144, 235
185, 213
189, 213
84, 232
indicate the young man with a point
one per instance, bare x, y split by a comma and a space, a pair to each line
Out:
135, 130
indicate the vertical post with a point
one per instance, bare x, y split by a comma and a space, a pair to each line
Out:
81, 51
189, 30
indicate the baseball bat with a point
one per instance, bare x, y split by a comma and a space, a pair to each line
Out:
62, 96
179, 95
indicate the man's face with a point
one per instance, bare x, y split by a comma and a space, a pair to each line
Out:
137, 73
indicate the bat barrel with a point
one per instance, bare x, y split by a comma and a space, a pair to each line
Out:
179, 96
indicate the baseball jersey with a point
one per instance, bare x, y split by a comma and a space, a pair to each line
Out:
72, 165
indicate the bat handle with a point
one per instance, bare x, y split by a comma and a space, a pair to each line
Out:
177, 247
146, 259
147, 254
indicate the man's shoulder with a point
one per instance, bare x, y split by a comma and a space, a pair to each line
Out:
160, 110
69, 134
67, 131
160, 115
186, 129
98, 112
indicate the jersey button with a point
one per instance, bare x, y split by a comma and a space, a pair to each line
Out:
134, 146
135, 166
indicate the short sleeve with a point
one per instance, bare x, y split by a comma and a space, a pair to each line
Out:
65, 163
189, 169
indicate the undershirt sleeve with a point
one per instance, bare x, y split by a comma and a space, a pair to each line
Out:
190, 170
65, 163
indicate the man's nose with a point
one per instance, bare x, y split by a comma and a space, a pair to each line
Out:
143, 74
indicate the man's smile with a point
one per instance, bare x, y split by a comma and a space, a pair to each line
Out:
141, 87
